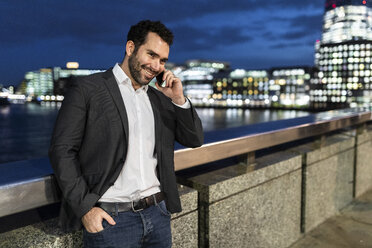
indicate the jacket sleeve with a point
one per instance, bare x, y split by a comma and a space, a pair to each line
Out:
64, 152
189, 130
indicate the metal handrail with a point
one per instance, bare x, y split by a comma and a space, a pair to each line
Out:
187, 158
39, 192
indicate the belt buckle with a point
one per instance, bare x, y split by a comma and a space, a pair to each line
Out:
139, 209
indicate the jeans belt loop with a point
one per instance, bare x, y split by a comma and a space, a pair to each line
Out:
116, 209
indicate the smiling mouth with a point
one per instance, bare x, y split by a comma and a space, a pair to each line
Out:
149, 73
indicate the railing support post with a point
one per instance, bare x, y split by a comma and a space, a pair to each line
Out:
247, 158
320, 141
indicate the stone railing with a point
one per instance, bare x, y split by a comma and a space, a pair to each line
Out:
285, 180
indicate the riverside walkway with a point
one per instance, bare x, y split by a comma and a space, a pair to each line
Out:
271, 186
352, 228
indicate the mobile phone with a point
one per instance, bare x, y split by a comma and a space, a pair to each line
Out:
159, 78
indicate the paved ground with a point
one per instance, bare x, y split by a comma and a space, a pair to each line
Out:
352, 228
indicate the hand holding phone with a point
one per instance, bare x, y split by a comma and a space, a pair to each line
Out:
171, 86
159, 78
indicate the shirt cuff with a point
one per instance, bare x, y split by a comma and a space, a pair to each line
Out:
186, 105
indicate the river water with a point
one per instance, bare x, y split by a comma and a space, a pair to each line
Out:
25, 129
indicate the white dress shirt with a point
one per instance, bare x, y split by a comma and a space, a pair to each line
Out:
137, 178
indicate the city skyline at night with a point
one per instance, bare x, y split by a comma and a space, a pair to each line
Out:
249, 34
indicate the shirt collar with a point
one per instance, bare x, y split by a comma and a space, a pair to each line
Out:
122, 78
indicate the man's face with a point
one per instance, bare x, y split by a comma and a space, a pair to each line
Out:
149, 59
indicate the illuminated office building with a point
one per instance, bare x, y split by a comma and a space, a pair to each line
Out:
290, 87
197, 78
217, 65
39, 82
249, 88
47, 83
62, 78
343, 56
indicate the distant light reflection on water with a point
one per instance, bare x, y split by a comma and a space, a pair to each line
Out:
25, 129
214, 119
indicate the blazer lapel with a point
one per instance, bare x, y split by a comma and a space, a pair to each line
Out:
114, 91
157, 119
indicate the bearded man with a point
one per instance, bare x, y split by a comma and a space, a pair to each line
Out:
112, 147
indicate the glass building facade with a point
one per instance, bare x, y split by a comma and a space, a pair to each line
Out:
346, 20
197, 77
39, 82
48, 83
290, 87
246, 88
343, 56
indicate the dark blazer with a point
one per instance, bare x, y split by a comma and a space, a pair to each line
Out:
90, 141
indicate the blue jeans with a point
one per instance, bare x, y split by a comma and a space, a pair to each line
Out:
147, 228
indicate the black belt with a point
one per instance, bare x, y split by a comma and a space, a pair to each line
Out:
135, 206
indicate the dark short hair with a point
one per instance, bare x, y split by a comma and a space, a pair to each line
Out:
138, 32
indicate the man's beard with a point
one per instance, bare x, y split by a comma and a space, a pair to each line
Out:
135, 70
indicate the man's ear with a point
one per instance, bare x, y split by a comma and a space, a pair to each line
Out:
129, 48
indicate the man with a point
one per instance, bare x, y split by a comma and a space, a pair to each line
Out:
112, 146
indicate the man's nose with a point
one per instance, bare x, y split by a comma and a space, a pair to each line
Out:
155, 65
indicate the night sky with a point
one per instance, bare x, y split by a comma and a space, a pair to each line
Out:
250, 34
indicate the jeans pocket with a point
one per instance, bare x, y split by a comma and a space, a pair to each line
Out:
163, 208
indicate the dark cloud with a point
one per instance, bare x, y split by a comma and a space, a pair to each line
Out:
266, 62
308, 22
187, 37
298, 4
93, 30
304, 28
106, 22
295, 35
281, 45
30, 22
269, 35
